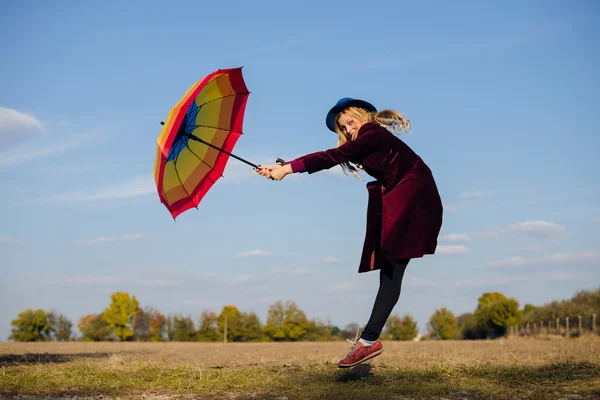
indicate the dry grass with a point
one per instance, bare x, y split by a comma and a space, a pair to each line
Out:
532, 369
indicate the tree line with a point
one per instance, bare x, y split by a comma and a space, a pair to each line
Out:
495, 315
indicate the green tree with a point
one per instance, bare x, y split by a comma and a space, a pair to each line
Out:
528, 308
468, 327
119, 314
443, 324
209, 327
94, 328
64, 328
404, 328
250, 328
319, 331
497, 313
285, 322
232, 314
32, 326
184, 330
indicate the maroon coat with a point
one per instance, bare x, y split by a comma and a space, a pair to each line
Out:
404, 212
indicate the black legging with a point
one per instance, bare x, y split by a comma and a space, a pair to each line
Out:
390, 282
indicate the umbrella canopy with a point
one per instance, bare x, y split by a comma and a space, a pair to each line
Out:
197, 138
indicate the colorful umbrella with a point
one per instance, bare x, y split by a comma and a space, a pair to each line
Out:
197, 138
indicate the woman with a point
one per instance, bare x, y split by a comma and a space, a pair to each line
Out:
404, 212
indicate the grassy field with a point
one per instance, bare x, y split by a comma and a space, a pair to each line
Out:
501, 369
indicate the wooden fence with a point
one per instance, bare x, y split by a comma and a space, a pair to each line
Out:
567, 327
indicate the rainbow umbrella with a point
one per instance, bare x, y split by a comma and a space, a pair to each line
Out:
197, 138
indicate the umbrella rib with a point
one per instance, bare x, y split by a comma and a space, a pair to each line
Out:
211, 168
217, 128
224, 97
182, 185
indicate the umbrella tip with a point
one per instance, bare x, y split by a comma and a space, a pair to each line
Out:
162, 122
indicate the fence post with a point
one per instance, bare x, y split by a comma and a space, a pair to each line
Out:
567, 328
580, 326
557, 326
542, 327
528, 329
594, 322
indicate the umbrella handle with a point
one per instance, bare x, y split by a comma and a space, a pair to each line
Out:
280, 162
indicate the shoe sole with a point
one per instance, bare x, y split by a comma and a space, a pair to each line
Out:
375, 354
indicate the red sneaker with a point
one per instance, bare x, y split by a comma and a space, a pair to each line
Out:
359, 353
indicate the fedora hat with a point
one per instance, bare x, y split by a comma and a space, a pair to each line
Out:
343, 104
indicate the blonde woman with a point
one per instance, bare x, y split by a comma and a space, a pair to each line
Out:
404, 211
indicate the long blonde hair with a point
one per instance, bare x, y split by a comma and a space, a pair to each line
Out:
389, 119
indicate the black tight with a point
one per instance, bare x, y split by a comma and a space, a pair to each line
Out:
390, 282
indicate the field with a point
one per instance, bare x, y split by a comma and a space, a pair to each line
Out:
499, 369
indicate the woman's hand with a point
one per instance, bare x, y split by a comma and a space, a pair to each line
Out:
280, 172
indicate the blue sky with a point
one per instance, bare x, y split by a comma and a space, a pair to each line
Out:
502, 98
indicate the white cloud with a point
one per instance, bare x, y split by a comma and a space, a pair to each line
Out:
97, 240
15, 125
531, 191
9, 240
596, 219
455, 237
330, 260
274, 271
528, 249
240, 279
17, 157
458, 249
564, 276
139, 186
95, 280
417, 282
453, 208
537, 228
301, 271
482, 193
134, 236
253, 253
491, 280
517, 261
119, 280
341, 287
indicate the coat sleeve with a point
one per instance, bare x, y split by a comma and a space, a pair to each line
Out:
353, 150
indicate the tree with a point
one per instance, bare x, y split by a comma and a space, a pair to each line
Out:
141, 325
443, 324
209, 327
250, 328
157, 327
184, 330
232, 314
64, 328
468, 327
497, 313
94, 328
319, 331
285, 322
528, 308
404, 328
32, 326
120, 313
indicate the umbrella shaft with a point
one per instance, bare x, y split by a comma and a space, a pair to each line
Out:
197, 139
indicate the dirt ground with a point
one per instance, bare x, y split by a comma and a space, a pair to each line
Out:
401, 354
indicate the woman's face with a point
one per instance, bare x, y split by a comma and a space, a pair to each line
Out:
349, 125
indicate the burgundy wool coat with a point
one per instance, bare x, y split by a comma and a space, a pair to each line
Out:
404, 211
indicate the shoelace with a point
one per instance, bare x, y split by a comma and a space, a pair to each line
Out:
354, 343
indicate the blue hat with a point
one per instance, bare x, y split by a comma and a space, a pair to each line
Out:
343, 104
